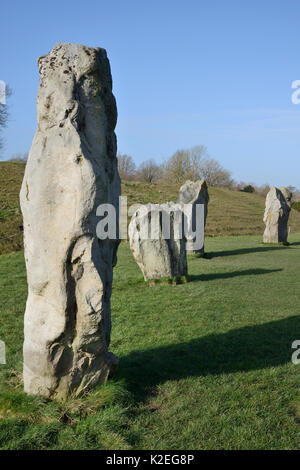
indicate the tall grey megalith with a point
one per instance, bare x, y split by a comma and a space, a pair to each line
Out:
194, 192
71, 170
276, 216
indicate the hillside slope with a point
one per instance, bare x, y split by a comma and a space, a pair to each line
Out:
229, 212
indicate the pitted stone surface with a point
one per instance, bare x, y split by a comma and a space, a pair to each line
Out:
71, 169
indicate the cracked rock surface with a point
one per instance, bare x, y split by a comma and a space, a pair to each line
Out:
71, 170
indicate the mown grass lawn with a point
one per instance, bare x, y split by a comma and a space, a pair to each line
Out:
203, 365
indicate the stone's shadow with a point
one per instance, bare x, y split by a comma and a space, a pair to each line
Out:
245, 251
246, 272
240, 350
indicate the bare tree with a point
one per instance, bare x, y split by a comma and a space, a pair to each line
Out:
185, 164
149, 171
126, 166
198, 155
215, 174
195, 164
177, 168
4, 115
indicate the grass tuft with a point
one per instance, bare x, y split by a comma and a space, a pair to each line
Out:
173, 281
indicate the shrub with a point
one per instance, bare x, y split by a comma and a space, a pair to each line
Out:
248, 189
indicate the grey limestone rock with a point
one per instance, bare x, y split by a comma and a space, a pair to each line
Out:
194, 193
156, 241
71, 170
276, 216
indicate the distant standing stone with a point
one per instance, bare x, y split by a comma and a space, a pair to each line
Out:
158, 247
277, 211
71, 170
194, 193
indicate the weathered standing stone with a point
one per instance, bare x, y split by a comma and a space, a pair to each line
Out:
71, 169
155, 235
194, 193
277, 211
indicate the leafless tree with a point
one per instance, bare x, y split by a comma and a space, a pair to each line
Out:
215, 174
126, 166
198, 155
195, 164
178, 168
4, 115
149, 171
185, 164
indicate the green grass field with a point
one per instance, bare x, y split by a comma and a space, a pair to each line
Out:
203, 365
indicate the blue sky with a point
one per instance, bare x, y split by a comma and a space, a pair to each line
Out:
191, 72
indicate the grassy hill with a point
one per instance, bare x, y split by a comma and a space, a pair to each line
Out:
230, 212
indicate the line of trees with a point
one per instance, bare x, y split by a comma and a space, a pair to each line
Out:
192, 164
188, 164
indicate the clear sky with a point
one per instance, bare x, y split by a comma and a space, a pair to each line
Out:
211, 72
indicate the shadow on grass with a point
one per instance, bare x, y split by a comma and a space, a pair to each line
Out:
241, 350
246, 272
245, 251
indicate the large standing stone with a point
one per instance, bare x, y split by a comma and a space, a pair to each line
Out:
194, 193
157, 241
277, 211
71, 169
